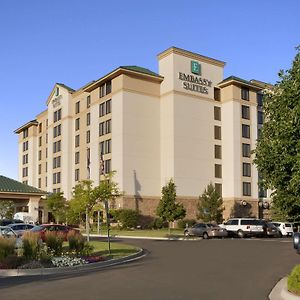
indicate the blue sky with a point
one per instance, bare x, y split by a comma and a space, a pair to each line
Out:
74, 42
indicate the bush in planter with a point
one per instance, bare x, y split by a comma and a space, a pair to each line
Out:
54, 241
181, 224
159, 223
12, 261
294, 281
31, 244
7, 247
76, 242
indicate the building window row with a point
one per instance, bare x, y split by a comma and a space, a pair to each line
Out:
105, 127
105, 108
217, 113
40, 169
246, 151
40, 155
245, 131
77, 157
77, 107
76, 174
56, 178
105, 89
218, 151
88, 137
40, 141
40, 127
247, 169
259, 99
245, 93
88, 119
57, 131
57, 116
88, 101
77, 140
56, 162
218, 134
246, 189
218, 171
25, 133
77, 124
56, 191
246, 112
107, 166
56, 146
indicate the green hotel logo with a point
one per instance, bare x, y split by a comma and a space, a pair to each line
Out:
195, 67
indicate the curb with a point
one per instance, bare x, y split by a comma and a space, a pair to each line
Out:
280, 291
69, 270
146, 237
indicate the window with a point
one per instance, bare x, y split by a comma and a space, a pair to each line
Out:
218, 187
88, 119
102, 147
77, 156
46, 152
56, 162
25, 133
217, 94
260, 117
262, 193
40, 154
102, 109
77, 107
105, 89
218, 151
245, 93
107, 146
56, 146
246, 150
246, 189
108, 87
88, 101
107, 166
218, 171
40, 127
46, 167
25, 146
40, 183
46, 138
101, 128
88, 136
57, 91
108, 126
108, 106
56, 178
245, 131
102, 91
77, 140
217, 132
40, 141
217, 113
245, 112
46, 181
259, 98
76, 174
57, 116
40, 169
246, 169
57, 131
77, 124
25, 172
25, 159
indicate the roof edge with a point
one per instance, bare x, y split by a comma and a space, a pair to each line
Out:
27, 125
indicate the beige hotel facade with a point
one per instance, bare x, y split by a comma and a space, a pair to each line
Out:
187, 123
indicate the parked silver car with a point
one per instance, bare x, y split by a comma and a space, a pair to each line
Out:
20, 228
205, 230
7, 232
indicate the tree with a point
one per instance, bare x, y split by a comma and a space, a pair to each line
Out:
210, 206
56, 203
277, 155
7, 209
167, 208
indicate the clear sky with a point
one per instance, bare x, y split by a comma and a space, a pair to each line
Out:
76, 41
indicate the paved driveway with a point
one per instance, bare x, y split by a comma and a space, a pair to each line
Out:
204, 269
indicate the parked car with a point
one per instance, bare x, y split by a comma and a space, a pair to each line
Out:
5, 222
243, 227
57, 228
205, 230
270, 230
8, 232
20, 228
285, 228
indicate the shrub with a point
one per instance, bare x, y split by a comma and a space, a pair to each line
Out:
181, 224
294, 280
127, 217
7, 247
54, 241
159, 223
76, 241
12, 262
31, 244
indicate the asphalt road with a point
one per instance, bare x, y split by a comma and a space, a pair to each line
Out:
205, 269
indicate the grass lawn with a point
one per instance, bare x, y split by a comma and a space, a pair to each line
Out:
139, 232
117, 249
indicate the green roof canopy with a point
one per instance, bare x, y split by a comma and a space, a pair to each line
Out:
8, 185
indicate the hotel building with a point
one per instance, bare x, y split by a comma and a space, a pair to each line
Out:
187, 123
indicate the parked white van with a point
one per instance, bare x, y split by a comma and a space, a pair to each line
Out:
243, 227
25, 217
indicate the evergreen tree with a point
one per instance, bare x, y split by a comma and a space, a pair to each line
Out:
210, 206
167, 208
278, 148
